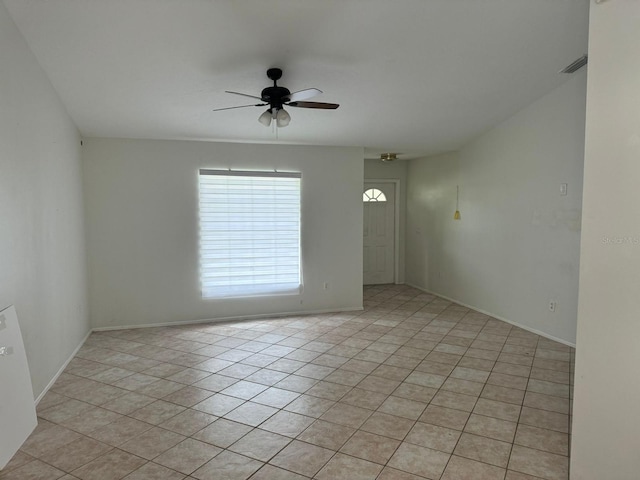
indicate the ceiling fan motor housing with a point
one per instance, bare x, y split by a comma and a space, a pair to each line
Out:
275, 96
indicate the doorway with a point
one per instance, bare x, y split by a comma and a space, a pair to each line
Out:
379, 233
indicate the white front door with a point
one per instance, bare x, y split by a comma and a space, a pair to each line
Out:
379, 233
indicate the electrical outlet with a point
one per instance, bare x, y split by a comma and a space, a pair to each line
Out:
552, 306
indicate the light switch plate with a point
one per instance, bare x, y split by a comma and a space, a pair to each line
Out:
563, 189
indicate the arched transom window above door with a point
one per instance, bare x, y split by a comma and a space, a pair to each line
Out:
373, 195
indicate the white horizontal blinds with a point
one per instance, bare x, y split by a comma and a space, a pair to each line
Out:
249, 233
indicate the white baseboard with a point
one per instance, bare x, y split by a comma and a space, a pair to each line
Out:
524, 327
61, 369
230, 319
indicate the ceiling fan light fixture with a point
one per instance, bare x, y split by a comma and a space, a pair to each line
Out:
265, 118
282, 118
388, 157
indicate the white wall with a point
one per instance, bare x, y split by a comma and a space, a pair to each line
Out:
517, 245
379, 170
141, 200
606, 426
42, 252
430, 233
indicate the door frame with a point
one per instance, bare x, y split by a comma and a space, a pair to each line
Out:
396, 221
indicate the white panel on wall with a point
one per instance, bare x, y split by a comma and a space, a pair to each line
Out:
17, 410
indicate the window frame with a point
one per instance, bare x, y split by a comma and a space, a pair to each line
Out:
375, 196
209, 292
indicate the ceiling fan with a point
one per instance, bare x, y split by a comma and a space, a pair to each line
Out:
277, 97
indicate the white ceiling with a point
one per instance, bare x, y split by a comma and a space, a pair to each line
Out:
411, 76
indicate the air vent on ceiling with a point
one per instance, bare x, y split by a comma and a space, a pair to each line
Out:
575, 66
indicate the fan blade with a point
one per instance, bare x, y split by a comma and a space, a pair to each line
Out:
322, 105
243, 94
241, 106
304, 94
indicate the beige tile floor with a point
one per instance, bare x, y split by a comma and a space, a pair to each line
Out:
413, 387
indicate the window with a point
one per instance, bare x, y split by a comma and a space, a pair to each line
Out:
249, 233
373, 195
